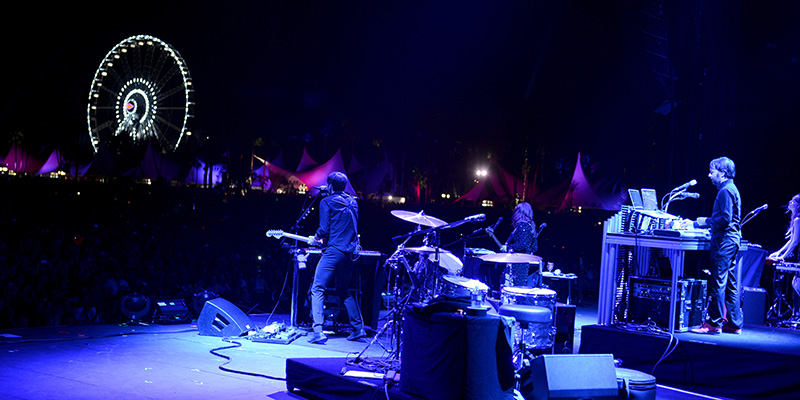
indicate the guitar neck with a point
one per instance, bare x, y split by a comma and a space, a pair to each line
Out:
296, 237
279, 234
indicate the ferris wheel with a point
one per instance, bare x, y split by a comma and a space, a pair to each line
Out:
142, 90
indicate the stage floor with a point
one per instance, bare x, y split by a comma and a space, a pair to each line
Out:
152, 362
174, 361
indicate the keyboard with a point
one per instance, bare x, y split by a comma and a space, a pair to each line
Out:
684, 233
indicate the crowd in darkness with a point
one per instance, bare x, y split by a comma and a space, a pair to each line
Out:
70, 251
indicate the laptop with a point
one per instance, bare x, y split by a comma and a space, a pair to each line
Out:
636, 199
649, 199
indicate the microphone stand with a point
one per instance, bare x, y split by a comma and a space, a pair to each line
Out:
672, 195
297, 259
751, 215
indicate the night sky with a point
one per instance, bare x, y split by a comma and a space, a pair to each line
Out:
441, 86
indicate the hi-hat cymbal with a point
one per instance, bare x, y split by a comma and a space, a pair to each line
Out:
418, 218
511, 258
425, 250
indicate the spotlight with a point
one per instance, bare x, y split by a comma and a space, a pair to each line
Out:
135, 306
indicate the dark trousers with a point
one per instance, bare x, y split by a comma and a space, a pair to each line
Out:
334, 264
722, 287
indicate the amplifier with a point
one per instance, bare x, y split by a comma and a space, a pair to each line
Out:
649, 302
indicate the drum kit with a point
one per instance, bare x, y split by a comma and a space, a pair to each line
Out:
436, 273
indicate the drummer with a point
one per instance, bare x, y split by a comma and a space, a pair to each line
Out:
523, 239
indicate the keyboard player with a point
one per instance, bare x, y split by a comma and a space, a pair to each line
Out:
787, 252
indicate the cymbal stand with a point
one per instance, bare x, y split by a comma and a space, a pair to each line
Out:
397, 311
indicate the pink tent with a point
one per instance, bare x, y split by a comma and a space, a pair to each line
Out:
306, 162
20, 160
271, 177
53, 163
581, 194
319, 175
500, 186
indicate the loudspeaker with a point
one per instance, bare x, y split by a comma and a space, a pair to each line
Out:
220, 317
565, 328
574, 376
754, 305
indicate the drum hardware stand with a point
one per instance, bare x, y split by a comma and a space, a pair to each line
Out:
396, 312
780, 298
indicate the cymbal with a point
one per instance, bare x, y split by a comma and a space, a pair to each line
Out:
511, 258
425, 250
418, 218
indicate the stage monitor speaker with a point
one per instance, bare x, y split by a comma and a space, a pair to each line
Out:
220, 317
574, 376
754, 305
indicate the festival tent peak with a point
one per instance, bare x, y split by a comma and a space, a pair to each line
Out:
319, 175
20, 160
154, 166
53, 163
580, 193
500, 186
306, 162
102, 164
354, 167
269, 176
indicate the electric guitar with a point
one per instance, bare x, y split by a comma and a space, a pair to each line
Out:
500, 245
277, 234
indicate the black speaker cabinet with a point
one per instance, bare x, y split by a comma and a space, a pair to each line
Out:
649, 302
220, 317
573, 376
565, 328
754, 305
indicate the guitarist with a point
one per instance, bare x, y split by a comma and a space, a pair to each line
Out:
523, 239
338, 234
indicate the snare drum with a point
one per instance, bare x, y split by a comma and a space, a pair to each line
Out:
529, 297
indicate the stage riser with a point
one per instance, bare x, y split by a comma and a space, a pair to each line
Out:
705, 364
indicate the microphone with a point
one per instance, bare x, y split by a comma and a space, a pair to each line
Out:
475, 218
324, 190
687, 195
685, 185
499, 220
762, 208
